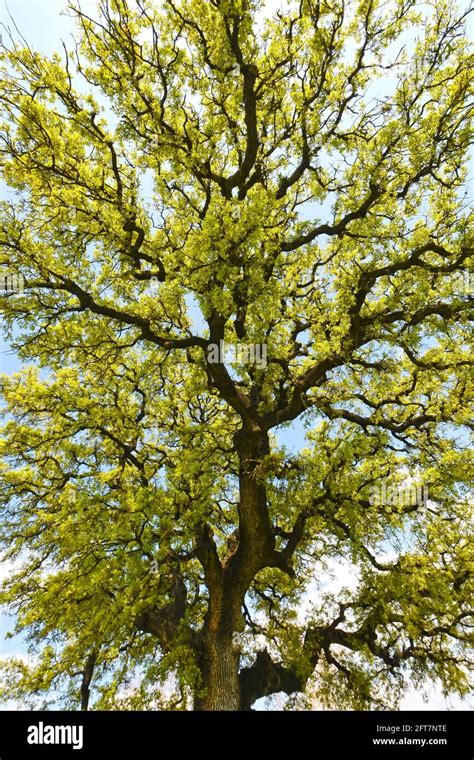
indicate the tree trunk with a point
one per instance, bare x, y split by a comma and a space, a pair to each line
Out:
220, 674
229, 581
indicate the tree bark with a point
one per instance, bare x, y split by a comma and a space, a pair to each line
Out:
229, 581
220, 674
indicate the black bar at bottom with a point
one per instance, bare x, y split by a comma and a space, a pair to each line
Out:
424, 734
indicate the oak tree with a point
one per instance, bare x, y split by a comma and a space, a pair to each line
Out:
198, 173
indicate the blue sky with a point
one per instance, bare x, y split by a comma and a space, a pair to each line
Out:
43, 26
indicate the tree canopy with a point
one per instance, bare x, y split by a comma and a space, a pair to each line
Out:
198, 173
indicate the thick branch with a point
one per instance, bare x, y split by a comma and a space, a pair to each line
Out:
266, 677
163, 622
